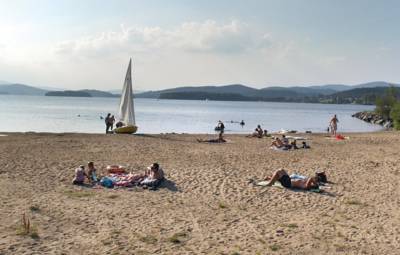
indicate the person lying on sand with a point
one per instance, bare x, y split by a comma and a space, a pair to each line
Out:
220, 139
287, 182
80, 175
277, 143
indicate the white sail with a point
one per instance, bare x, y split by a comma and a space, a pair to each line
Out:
126, 110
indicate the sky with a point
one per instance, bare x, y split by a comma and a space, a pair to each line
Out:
75, 44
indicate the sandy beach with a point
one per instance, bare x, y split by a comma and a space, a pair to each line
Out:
207, 205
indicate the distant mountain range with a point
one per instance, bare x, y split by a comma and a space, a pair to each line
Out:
324, 93
330, 93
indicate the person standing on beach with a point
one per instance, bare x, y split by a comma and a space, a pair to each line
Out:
107, 120
221, 127
112, 121
333, 124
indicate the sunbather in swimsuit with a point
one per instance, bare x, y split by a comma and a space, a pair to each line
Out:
277, 143
283, 177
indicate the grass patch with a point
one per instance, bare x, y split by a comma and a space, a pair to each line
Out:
355, 202
292, 225
26, 228
275, 247
78, 193
149, 239
113, 196
177, 238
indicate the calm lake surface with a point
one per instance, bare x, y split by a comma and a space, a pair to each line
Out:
67, 114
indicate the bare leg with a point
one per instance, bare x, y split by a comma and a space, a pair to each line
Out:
276, 176
311, 182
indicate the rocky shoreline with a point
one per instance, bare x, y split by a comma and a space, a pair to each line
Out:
373, 118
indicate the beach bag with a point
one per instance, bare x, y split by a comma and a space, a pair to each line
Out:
106, 182
321, 176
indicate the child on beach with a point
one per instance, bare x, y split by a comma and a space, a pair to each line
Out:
80, 175
91, 175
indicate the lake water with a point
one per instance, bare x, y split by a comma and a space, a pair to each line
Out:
67, 114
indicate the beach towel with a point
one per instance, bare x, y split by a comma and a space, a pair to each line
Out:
279, 185
106, 182
278, 149
296, 137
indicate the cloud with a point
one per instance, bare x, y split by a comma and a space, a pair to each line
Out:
206, 37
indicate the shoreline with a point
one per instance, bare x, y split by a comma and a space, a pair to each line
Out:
172, 133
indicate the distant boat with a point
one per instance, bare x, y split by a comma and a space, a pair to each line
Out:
126, 110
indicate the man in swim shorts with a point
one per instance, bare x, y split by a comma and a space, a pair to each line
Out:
282, 176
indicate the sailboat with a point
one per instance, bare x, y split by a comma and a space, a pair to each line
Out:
126, 111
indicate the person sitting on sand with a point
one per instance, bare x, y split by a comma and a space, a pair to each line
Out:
277, 143
305, 145
266, 133
258, 132
154, 175
287, 182
293, 145
80, 175
220, 139
91, 175
285, 141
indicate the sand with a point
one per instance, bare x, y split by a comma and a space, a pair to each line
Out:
207, 206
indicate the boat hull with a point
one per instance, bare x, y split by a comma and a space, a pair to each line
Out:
126, 129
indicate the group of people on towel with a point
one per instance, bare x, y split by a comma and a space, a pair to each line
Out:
284, 144
151, 177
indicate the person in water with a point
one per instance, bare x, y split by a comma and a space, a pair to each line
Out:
242, 123
333, 124
220, 139
282, 176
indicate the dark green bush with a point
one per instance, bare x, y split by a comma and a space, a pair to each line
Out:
395, 115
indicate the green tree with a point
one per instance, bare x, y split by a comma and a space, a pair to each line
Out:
385, 103
395, 115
